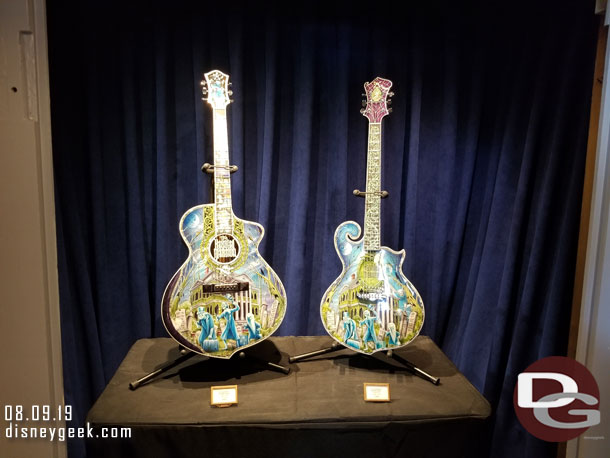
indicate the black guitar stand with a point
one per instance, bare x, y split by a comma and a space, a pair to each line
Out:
382, 194
389, 353
209, 168
186, 354
413, 368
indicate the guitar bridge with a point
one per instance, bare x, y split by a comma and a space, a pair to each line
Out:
226, 287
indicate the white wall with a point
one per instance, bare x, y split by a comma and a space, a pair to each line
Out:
593, 349
30, 356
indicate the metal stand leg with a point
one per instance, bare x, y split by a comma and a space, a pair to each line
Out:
334, 347
189, 354
263, 362
413, 368
137, 383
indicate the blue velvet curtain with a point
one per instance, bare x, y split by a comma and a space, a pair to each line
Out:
483, 156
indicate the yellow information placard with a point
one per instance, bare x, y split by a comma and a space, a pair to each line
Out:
377, 392
223, 396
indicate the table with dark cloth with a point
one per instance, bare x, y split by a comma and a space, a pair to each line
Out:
317, 410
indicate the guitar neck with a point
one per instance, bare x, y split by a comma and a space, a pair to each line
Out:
222, 174
372, 205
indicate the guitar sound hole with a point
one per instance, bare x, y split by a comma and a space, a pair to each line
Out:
224, 249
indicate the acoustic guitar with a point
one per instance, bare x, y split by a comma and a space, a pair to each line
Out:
371, 306
225, 297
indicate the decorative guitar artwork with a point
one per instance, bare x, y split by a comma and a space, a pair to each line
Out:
371, 306
225, 297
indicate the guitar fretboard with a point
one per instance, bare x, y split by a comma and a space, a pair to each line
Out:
372, 204
222, 178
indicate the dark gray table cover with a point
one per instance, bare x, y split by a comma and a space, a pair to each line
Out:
317, 410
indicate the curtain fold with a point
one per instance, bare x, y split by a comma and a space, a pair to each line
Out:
483, 157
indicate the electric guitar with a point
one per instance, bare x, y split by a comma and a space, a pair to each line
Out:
225, 297
371, 306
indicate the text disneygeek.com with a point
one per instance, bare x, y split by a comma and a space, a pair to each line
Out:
27, 422
15, 431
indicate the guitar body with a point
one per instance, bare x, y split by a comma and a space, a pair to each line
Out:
371, 306
219, 303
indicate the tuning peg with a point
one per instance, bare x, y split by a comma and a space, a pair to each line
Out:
231, 100
391, 94
230, 92
362, 110
202, 82
364, 103
389, 110
389, 102
230, 84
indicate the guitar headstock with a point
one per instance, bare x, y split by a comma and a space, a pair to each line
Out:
216, 89
378, 97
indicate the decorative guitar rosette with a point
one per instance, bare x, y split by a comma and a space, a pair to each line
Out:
225, 297
371, 306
